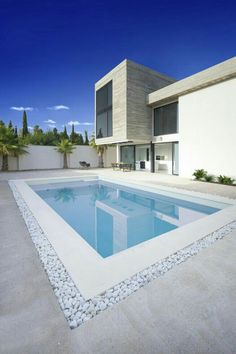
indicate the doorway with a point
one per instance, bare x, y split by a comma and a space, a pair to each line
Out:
142, 158
166, 158
127, 154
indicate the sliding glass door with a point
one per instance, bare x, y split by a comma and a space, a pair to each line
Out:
127, 155
166, 158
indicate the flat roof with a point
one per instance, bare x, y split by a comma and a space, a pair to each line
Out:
128, 62
217, 73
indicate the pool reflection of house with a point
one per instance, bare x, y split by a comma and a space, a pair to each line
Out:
125, 220
112, 219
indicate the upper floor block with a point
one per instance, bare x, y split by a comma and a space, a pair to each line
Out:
121, 113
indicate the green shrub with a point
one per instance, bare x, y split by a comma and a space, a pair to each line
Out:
225, 180
209, 178
200, 174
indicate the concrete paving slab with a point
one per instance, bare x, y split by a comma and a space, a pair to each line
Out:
191, 309
29, 312
135, 176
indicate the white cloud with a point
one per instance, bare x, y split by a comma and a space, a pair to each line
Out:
75, 122
30, 128
51, 126
50, 121
22, 108
86, 123
57, 108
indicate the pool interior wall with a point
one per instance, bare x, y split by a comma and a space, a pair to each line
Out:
112, 218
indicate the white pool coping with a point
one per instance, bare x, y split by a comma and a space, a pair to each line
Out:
93, 274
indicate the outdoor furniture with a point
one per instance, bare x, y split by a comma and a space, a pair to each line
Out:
115, 166
125, 167
84, 164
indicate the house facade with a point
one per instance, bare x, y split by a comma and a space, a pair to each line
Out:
173, 127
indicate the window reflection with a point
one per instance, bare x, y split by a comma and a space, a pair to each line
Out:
165, 119
104, 111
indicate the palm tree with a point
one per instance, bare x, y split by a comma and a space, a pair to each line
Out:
65, 147
100, 151
9, 146
99, 193
65, 195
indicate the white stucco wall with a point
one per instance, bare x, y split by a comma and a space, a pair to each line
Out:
207, 130
110, 156
46, 157
40, 157
83, 153
12, 163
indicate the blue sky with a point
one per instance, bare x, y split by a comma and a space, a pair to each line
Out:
52, 52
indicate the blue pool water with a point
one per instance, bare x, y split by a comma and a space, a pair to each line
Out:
112, 218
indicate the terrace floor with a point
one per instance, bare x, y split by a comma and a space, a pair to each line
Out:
191, 309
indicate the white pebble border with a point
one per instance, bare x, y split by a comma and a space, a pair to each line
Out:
76, 309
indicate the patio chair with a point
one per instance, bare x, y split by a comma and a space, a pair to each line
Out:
115, 166
84, 164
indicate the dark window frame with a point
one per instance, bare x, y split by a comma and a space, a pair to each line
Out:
104, 108
165, 130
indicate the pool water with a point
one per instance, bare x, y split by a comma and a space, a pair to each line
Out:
112, 218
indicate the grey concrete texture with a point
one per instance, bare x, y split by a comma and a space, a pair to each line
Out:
131, 83
191, 309
140, 82
29, 312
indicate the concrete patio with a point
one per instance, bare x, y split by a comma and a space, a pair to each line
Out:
191, 309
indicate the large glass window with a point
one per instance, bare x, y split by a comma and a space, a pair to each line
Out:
166, 119
104, 111
128, 154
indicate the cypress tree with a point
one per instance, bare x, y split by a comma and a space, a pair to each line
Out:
65, 133
55, 131
25, 130
10, 126
80, 139
86, 141
73, 134
15, 133
56, 135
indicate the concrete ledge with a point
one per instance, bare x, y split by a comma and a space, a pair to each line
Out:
217, 73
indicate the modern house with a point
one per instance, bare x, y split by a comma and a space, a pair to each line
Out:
167, 126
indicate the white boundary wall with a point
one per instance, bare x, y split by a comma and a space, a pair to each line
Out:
47, 157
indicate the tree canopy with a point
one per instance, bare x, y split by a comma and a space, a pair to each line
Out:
10, 145
37, 136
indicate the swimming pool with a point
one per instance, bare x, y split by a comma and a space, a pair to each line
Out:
111, 217
105, 231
